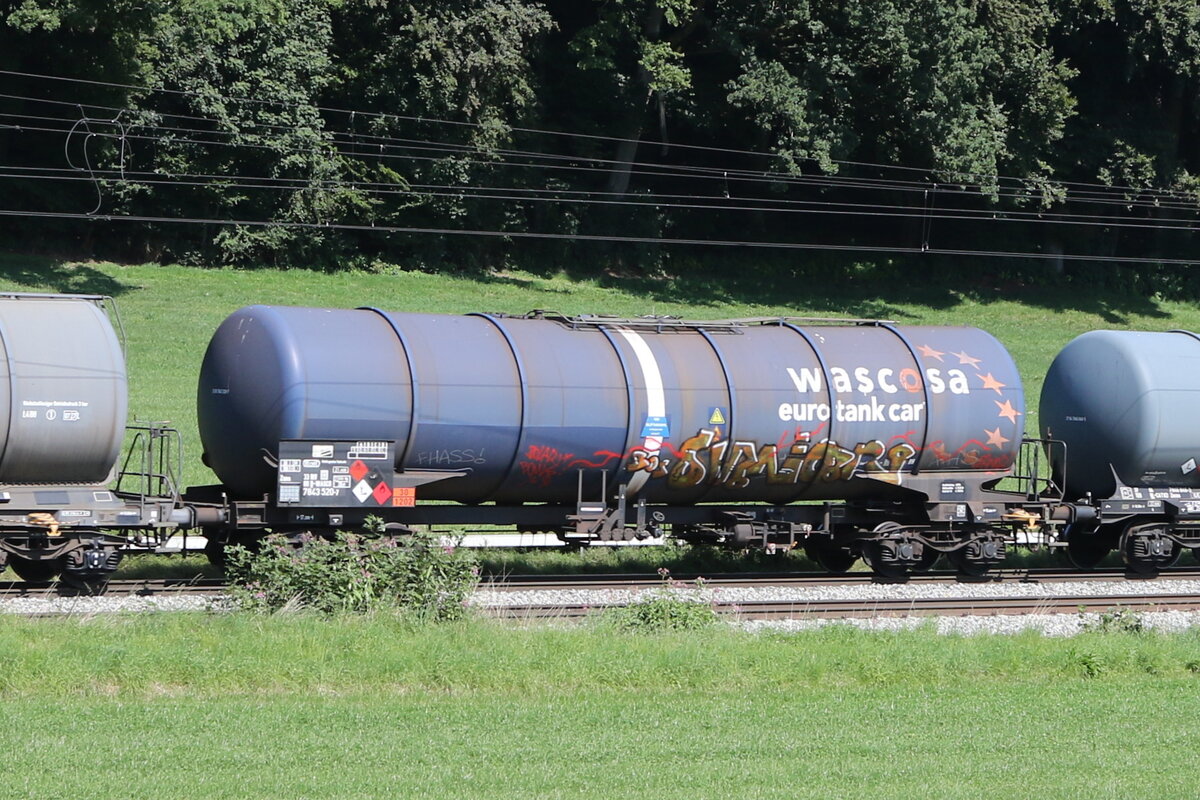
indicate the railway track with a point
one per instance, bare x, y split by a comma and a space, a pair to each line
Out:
730, 580
141, 587
197, 585
749, 608
900, 607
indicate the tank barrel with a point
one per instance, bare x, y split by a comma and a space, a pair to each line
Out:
676, 411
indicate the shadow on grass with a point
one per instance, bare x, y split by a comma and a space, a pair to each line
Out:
825, 285
881, 290
42, 273
499, 279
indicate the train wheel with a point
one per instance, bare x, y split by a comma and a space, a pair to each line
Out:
1085, 550
1146, 549
42, 570
89, 583
967, 566
214, 551
929, 557
881, 556
87, 570
977, 558
831, 557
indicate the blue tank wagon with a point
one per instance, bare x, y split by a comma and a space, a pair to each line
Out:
853, 437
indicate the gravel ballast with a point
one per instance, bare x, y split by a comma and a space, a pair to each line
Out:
1049, 624
488, 598
53, 604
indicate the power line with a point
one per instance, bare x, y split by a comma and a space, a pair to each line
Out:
1190, 203
351, 144
972, 177
590, 237
474, 193
655, 170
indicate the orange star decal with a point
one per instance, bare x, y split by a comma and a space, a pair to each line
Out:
990, 383
963, 358
940, 451
994, 439
1007, 411
929, 352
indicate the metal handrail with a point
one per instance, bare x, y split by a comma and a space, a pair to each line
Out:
662, 323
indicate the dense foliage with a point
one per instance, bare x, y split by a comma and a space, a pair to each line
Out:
416, 575
367, 132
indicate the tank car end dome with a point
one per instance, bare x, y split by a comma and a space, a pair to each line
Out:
1124, 401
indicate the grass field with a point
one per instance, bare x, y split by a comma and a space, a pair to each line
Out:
1071, 740
247, 707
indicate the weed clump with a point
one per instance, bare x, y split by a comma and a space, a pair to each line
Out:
416, 574
1118, 620
666, 609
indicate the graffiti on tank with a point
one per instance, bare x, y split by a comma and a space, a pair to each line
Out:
707, 459
973, 454
798, 458
542, 464
860, 394
431, 458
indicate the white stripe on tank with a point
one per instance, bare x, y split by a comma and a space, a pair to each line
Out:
656, 400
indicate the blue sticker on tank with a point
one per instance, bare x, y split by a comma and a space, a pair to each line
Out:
657, 427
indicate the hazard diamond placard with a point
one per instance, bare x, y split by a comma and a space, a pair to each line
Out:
382, 494
335, 474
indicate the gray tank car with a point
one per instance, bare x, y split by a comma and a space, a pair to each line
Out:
704, 412
1123, 405
63, 406
63, 391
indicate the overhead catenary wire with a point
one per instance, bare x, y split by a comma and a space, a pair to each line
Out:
548, 132
982, 213
591, 237
366, 146
655, 170
476, 193
1188, 201
663, 199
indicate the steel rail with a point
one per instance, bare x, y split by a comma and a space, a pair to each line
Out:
514, 583
143, 587
886, 607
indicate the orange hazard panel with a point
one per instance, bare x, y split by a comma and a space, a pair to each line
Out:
405, 497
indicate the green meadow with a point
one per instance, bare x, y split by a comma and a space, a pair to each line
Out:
238, 706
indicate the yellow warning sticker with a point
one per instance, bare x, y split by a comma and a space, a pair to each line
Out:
716, 416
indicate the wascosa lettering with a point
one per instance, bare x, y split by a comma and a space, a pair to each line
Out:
885, 379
